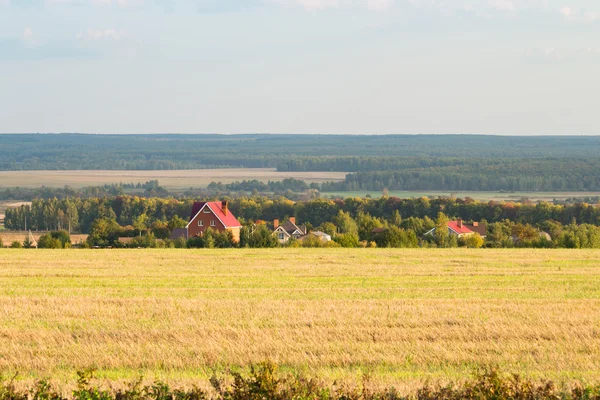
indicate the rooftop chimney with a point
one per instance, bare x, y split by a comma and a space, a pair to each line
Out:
275, 223
459, 223
475, 223
224, 207
293, 220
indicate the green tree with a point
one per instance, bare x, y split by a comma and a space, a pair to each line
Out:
349, 240
177, 222
262, 238
396, 219
474, 241
27, 243
104, 232
346, 223
48, 242
441, 234
329, 228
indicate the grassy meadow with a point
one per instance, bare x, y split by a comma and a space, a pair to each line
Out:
400, 317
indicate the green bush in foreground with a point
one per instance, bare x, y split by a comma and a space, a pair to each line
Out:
264, 383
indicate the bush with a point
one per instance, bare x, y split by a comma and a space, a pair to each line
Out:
264, 382
1, 243
347, 240
48, 242
16, 245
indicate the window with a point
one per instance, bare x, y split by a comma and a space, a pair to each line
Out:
206, 210
212, 223
281, 236
200, 223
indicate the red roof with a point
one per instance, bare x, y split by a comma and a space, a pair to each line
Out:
459, 229
229, 220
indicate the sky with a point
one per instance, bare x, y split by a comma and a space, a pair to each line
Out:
509, 67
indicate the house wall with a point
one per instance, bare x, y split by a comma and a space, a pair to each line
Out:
285, 239
195, 230
236, 233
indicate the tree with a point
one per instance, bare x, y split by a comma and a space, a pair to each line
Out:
244, 237
441, 234
366, 223
474, 241
345, 223
48, 242
104, 232
396, 237
329, 228
349, 240
63, 237
396, 218
27, 243
499, 235
140, 223
177, 222
262, 238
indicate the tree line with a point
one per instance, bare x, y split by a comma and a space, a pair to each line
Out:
406, 220
351, 153
78, 214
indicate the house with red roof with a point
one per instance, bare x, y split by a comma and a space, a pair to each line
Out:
459, 229
214, 215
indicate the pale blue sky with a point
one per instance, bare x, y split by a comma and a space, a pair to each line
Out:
300, 66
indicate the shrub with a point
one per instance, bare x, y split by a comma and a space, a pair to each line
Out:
16, 245
48, 242
264, 382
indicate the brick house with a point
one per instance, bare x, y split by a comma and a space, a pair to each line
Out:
214, 215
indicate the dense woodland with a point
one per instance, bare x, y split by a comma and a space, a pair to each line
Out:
395, 162
350, 221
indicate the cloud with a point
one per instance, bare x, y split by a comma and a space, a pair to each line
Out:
504, 5
101, 34
311, 5
554, 54
4, 2
581, 15
566, 11
17, 49
27, 34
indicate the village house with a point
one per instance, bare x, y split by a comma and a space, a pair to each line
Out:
459, 229
288, 230
210, 214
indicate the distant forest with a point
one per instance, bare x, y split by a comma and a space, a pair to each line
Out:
394, 162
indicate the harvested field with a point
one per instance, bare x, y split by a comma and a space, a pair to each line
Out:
399, 316
176, 179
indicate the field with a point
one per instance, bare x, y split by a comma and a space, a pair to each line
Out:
398, 316
171, 179
482, 196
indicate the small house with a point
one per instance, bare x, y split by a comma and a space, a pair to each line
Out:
288, 230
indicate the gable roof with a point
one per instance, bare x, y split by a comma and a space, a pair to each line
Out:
461, 230
291, 227
229, 220
479, 228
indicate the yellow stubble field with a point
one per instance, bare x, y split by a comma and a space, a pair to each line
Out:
401, 317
